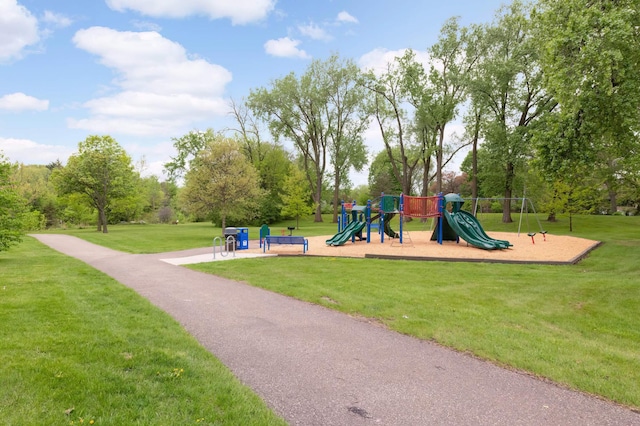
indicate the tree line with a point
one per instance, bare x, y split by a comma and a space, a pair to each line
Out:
548, 95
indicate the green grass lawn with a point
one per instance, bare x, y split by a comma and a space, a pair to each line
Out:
154, 238
79, 348
577, 325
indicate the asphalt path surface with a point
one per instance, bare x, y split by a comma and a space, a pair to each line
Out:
315, 366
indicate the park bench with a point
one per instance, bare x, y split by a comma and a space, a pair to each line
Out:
274, 239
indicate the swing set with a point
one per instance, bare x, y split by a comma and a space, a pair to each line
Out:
525, 205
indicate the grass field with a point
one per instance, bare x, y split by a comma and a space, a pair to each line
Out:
79, 348
577, 325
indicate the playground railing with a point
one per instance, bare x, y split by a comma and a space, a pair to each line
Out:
421, 207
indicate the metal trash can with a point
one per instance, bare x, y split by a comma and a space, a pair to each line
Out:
231, 244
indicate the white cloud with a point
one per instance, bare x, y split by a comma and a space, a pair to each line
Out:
56, 19
285, 47
346, 17
162, 90
314, 32
239, 11
21, 102
29, 152
378, 60
18, 29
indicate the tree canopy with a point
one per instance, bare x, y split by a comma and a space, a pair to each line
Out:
222, 181
12, 208
320, 112
101, 171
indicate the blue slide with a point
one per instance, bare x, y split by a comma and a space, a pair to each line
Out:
468, 227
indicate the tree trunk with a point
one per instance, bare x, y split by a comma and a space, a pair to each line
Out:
613, 200
336, 195
474, 166
508, 193
103, 219
318, 199
425, 176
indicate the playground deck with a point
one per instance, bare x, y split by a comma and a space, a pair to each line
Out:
556, 249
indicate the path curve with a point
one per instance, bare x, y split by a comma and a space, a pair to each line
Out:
315, 366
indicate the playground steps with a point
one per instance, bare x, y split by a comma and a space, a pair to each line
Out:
406, 240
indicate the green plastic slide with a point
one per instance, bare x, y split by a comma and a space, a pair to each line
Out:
345, 235
468, 227
387, 226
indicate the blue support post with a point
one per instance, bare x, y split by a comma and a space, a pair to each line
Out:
368, 216
401, 214
441, 207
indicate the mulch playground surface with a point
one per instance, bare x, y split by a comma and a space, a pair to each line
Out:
544, 249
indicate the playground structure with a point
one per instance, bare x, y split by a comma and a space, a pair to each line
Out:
450, 224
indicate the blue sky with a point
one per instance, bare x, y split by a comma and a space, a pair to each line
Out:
145, 71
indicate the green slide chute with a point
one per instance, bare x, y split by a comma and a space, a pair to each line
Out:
387, 226
468, 227
345, 235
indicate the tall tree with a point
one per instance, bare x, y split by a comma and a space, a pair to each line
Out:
310, 112
222, 181
509, 85
453, 57
272, 161
387, 107
347, 119
591, 60
101, 170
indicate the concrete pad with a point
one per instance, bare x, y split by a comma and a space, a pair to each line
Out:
200, 258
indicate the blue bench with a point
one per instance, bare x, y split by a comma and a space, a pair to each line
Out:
274, 239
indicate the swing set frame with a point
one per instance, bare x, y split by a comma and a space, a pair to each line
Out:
525, 203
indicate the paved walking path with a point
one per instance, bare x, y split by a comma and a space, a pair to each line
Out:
314, 366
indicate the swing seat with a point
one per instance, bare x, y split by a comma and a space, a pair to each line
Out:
532, 234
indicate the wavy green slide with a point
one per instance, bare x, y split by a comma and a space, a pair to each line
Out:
468, 227
345, 235
387, 226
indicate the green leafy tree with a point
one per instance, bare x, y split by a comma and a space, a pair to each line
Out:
347, 119
591, 60
509, 85
306, 111
387, 106
222, 181
33, 184
454, 58
382, 177
296, 196
591, 63
187, 148
101, 171
270, 159
12, 208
